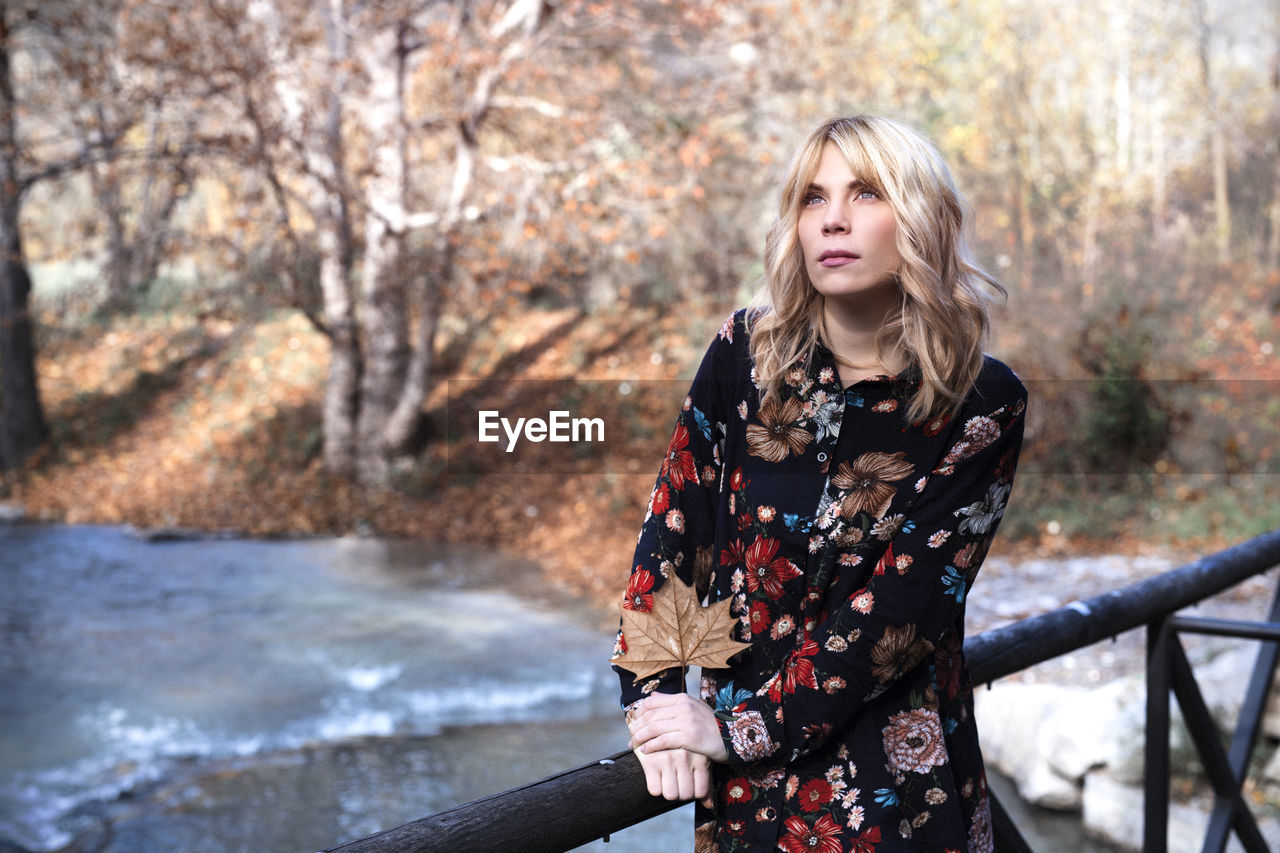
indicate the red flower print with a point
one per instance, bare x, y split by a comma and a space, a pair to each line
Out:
867, 841
964, 558
799, 668
767, 571
733, 555
933, 426
947, 663
822, 837
886, 560
639, 591
815, 794
678, 465
661, 499
758, 618
737, 790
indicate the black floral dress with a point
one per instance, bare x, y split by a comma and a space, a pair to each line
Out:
847, 540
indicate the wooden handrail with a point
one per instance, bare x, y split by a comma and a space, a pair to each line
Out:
555, 814
579, 805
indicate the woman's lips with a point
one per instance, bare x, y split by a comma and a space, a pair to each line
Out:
836, 258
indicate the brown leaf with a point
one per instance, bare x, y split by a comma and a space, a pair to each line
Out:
678, 632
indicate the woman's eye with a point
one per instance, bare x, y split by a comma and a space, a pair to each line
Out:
812, 198
868, 193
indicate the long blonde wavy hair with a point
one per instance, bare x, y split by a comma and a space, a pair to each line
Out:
942, 320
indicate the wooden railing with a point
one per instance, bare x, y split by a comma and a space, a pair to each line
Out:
595, 800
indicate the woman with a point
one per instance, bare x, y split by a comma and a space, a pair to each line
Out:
838, 471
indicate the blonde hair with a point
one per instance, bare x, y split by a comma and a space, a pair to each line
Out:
943, 318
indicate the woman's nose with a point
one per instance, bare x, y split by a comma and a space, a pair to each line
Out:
835, 222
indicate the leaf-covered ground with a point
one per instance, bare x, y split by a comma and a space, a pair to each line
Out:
181, 422
196, 422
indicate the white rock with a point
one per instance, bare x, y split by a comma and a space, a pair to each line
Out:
1271, 772
1091, 730
1047, 737
1271, 718
1113, 812
1012, 719
1224, 677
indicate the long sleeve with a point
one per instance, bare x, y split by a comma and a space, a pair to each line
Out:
679, 533
928, 541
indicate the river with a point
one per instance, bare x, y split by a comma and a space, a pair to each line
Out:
234, 695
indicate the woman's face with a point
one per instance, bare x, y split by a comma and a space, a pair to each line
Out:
847, 233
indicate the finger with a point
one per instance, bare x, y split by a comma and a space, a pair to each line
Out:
684, 779
671, 783
643, 735
667, 740
660, 700
701, 781
651, 731
652, 780
650, 715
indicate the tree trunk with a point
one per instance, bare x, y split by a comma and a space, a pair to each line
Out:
323, 151
22, 424
1272, 256
1217, 138
342, 390
105, 180
1159, 174
383, 314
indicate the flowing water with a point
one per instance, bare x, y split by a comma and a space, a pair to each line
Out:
237, 695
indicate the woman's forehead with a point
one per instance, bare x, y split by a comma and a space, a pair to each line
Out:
851, 154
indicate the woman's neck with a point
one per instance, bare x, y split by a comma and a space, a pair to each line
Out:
852, 336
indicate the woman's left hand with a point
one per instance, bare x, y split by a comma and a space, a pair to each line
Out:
677, 721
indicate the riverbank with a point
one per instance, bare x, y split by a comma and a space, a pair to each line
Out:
197, 423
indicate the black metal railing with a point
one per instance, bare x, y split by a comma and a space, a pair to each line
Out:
595, 800
1169, 670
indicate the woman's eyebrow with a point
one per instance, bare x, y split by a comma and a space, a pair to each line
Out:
856, 183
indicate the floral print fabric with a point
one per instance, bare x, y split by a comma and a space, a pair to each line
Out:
847, 540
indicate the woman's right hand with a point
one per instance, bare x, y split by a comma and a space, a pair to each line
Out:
677, 774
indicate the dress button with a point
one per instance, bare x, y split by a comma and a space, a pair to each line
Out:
822, 457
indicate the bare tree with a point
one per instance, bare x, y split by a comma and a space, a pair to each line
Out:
22, 424
36, 41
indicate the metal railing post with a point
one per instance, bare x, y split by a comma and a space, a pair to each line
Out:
1155, 759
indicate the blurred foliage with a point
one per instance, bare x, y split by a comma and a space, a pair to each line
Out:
1126, 424
626, 169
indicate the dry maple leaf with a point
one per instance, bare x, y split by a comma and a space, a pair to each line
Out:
678, 632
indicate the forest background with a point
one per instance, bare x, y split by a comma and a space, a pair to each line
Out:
254, 249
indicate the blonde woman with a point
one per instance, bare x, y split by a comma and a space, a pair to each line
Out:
837, 471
